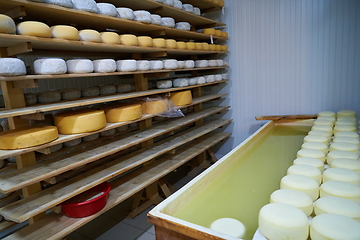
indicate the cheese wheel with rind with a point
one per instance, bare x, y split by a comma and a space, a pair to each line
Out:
56, 147
326, 114
70, 94
293, 197
80, 66
155, 107
170, 43
301, 183
104, 65
107, 89
155, 19
65, 32
49, 97
50, 66
168, 2
30, 99
108, 133
34, 28
177, 4
91, 137
89, 35
121, 113
159, 42
156, 65
107, 9
7, 24
142, 65
340, 189
145, 41
170, 64
12, 67
181, 64
183, 26
125, 13
90, 92
85, 5
180, 45
196, 11
188, 7
129, 40
167, 22
320, 132
62, 3
164, 84
181, 98
80, 121
110, 37
142, 16
181, 82
127, 65
189, 64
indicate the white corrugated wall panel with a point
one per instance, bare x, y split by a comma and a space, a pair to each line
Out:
290, 57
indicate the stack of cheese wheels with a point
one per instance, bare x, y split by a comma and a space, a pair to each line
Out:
154, 106
122, 113
181, 98
80, 121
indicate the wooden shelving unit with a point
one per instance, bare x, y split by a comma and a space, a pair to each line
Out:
134, 161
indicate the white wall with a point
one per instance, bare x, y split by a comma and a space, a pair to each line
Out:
290, 57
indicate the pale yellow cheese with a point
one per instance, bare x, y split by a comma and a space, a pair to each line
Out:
229, 226
317, 138
181, 98
224, 34
190, 45
110, 37
326, 114
315, 145
218, 47
80, 121
323, 128
340, 189
206, 46
347, 140
145, 41
65, 32
346, 163
310, 161
209, 31
181, 45
337, 205
321, 132
170, 43
224, 47
293, 197
212, 47
34, 28
342, 128
89, 35
340, 154
344, 146
27, 137
347, 134
218, 33
341, 174
311, 153
301, 183
346, 113
199, 46
7, 24
121, 113
306, 170
155, 107
129, 40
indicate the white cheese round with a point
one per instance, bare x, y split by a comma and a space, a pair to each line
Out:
155, 19
212, 63
181, 82
164, 84
104, 65
65, 32
49, 97
128, 65
346, 113
63, 3
189, 64
181, 64
125, 13
183, 26
108, 132
311, 153
90, 92
301, 183
326, 114
80, 66
72, 143
12, 67
224, 76
110, 37
50, 66
197, 11
107, 89
30, 99
334, 226
346, 120
229, 226
193, 81
70, 94
177, 4
56, 147
156, 64
142, 65
346, 163
169, 2
337, 205
342, 128
310, 161
167, 22
107, 9
89, 35
293, 197
340, 189
188, 8
315, 145
201, 80
33, 28
323, 128
341, 174
7, 24
210, 78
218, 77
347, 140
306, 170
340, 154
170, 64
282, 221
91, 137
324, 122
220, 62
123, 88
201, 63
142, 16
316, 138
344, 146
85, 5
320, 132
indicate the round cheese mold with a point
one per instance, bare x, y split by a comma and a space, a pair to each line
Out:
306, 170
80, 121
104, 65
316, 138
127, 65
346, 113
311, 153
85, 5
34, 28
27, 137
50, 66
340, 189
110, 37
142, 16
155, 107
340, 154
315, 145
12, 67
49, 97
89, 35
145, 41
125, 13
63, 3
155, 19
121, 113
80, 66
65, 32
181, 98
282, 221
344, 146
346, 163
167, 22
341, 174
7, 24
310, 161
301, 183
337, 205
107, 9
293, 197
334, 226
229, 226
70, 94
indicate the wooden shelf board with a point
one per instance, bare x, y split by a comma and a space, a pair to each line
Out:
62, 15
56, 226
20, 178
35, 204
204, 5
47, 76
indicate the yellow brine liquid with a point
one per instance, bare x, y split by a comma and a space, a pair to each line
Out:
246, 184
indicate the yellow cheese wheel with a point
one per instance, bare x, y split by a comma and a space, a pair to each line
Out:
121, 113
145, 41
34, 28
80, 121
218, 33
198, 46
218, 47
224, 47
212, 47
27, 137
170, 43
209, 31
155, 107
224, 34
129, 40
110, 37
181, 98
180, 45
206, 46
159, 42
190, 45
65, 32
7, 24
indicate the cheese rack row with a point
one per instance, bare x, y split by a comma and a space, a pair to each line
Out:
134, 161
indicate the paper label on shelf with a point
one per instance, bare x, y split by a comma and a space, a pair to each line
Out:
211, 39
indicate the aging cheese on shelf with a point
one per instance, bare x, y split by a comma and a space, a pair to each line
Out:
129, 40
7, 24
121, 113
197, 11
65, 32
170, 64
181, 82
63, 3
229, 226
167, 22
50, 66
340, 189
86, 5
108, 132
104, 65
125, 13
80, 121
177, 4
124, 87
159, 42
155, 19
156, 65
155, 107
91, 137
49, 97
30, 99
72, 143
293, 197
337, 205
107, 89
110, 37
107, 9
142, 16
145, 41
164, 84
12, 67
127, 65
90, 92
170, 43
181, 98
70, 94
34, 28
142, 65
89, 35
183, 26
80, 66
342, 128
209, 31
27, 137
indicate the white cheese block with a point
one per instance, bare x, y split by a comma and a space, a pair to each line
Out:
346, 113
301, 183
91, 137
108, 132
282, 221
89, 35
193, 81
90, 92
218, 77
293, 197
340, 154
201, 80
337, 205
168, 2
188, 7
315, 145
220, 62
80, 66
311, 162
181, 64
229, 226
30, 99
320, 132
316, 138
107, 9
142, 16
326, 114
164, 84
34, 28
122, 128
125, 13
123, 88
107, 89
212, 63
201, 63
142, 65
189, 64
155, 19
63, 3
347, 140
210, 78
56, 147
128, 65
340, 189
344, 146
104, 65
85, 5
341, 174
167, 22
110, 37
334, 226
346, 163
183, 26
12, 67
156, 64
170, 64
181, 82
196, 11
311, 153
306, 170
50, 66
49, 97
72, 143
7, 24
342, 128
65, 32
70, 94
177, 4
